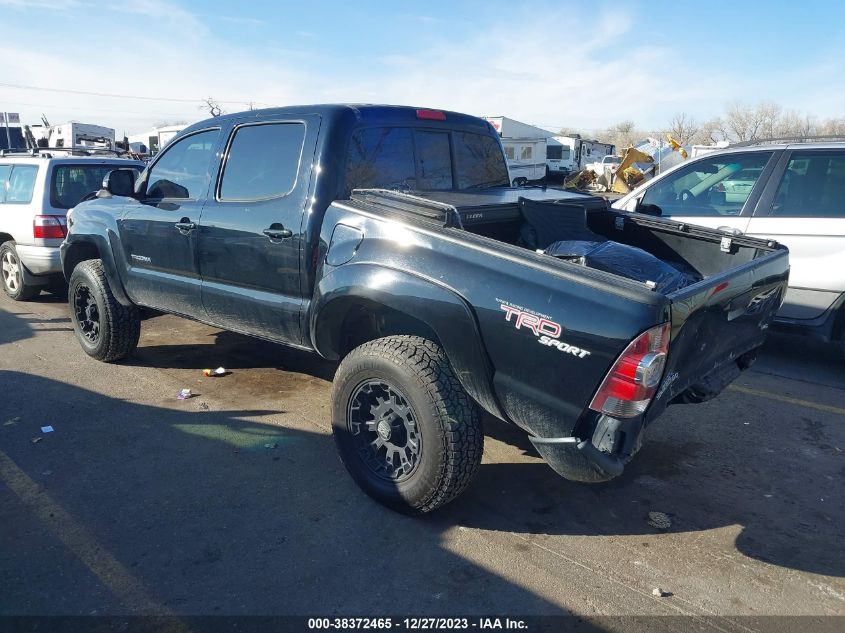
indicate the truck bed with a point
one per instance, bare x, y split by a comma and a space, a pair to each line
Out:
717, 321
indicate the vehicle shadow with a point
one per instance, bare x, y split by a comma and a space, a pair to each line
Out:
16, 327
210, 512
781, 487
701, 464
233, 351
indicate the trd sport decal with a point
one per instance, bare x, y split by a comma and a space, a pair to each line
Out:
547, 331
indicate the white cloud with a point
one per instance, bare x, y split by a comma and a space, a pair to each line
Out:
552, 70
54, 5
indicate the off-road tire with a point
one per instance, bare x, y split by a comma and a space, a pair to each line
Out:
22, 291
449, 422
119, 325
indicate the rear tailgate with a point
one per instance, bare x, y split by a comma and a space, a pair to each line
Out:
721, 318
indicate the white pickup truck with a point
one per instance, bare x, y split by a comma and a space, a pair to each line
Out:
606, 166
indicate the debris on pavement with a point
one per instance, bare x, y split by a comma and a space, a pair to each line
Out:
203, 406
657, 592
47, 429
184, 394
36, 439
270, 445
12, 421
210, 373
46, 473
659, 520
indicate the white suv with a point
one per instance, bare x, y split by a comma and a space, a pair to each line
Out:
36, 192
793, 193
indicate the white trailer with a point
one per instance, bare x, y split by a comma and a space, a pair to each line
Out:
74, 135
566, 154
151, 142
525, 149
562, 154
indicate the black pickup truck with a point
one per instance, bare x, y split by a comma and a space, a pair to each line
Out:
388, 238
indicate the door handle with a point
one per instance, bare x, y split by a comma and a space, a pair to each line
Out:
185, 225
278, 233
729, 229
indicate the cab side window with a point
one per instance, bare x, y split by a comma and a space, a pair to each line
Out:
263, 161
813, 185
183, 169
21, 184
711, 186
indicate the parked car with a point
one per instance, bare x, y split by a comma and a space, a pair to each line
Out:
35, 193
432, 294
792, 193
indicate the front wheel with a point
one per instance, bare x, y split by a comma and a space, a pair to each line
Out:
405, 429
106, 329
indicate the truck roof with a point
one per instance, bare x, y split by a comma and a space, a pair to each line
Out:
362, 114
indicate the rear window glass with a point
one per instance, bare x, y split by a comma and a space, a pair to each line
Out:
263, 161
21, 184
435, 161
479, 161
71, 183
381, 157
405, 158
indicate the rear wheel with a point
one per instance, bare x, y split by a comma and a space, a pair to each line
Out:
405, 429
12, 272
106, 329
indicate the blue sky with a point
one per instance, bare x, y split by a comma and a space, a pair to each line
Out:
577, 64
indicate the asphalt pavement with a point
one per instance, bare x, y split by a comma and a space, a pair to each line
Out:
233, 502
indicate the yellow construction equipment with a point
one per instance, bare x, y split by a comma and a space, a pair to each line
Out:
628, 175
677, 146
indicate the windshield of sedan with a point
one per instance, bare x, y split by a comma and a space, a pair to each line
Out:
715, 185
409, 159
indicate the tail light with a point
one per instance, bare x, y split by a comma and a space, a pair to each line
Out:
632, 381
431, 115
49, 227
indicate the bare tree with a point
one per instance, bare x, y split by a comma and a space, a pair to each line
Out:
793, 123
623, 135
211, 106
742, 123
683, 128
831, 127
711, 132
747, 123
569, 132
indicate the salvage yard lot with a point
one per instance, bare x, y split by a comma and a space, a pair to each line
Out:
234, 502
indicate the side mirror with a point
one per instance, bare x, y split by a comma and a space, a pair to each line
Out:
120, 182
649, 209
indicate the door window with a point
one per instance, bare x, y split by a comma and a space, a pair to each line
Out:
21, 184
717, 185
509, 152
526, 153
813, 186
263, 161
182, 171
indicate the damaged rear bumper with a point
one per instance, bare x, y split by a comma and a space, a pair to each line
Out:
578, 460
